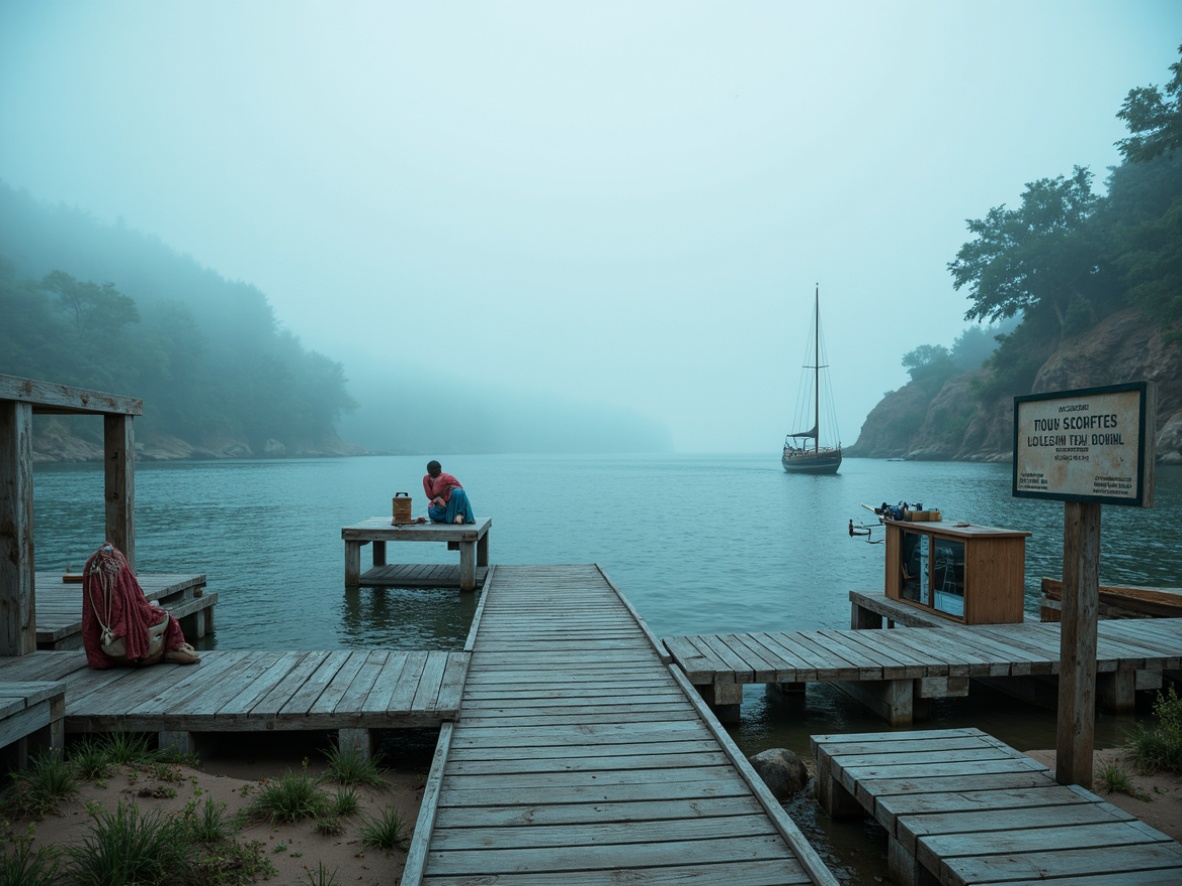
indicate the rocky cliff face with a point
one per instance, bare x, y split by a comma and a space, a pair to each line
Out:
55, 446
952, 424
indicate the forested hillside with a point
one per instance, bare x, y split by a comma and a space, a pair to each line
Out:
1094, 283
205, 354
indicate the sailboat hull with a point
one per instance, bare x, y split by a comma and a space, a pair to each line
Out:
811, 461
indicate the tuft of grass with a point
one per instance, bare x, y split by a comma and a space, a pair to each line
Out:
1158, 747
124, 847
321, 877
128, 747
345, 803
351, 767
91, 759
1114, 779
21, 866
208, 824
387, 831
38, 790
289, 798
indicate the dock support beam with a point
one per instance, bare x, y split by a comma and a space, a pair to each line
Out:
1075, 737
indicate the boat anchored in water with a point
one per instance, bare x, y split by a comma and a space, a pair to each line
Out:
804, 451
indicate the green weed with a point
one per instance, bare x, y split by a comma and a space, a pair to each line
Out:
351, 767
123, 847
1158, 747
289, 798
387, 831
321, 877
1114, 779
21, 866
38, 790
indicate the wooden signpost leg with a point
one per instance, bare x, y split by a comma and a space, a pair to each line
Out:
1077, 644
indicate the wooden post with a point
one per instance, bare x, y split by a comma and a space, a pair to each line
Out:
119, 470
1077, 644
18, 621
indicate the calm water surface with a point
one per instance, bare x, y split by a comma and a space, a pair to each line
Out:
699, 544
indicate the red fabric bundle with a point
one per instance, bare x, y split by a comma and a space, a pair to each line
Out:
111, 593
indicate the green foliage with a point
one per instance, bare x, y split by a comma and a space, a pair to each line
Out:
321, 876
208, 824
108, 309
351, 767
1159, 747
387, 831
1114, 779
124, 847
22, 866
1040, 258
37, 791
1154, 120
290, 797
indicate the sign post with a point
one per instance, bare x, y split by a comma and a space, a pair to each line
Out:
1086, 448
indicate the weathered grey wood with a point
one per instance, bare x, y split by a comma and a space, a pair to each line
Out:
119, 482
941, 660
546, 783
471, 539
958, 814
50, 398
1075, 737
18, 623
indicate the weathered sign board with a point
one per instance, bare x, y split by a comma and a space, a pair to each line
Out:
1086, 448
1088, 445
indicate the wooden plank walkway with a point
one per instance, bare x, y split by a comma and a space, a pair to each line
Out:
255, 691
961, 807
930, 663
30, 714
580, 757
59, 606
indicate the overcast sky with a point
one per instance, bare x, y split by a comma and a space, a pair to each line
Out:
627, 203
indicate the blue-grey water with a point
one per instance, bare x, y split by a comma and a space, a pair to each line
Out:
699, 544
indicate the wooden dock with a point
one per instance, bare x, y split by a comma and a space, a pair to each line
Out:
355, 692
581, 757
59, 606
960, 807
889, 669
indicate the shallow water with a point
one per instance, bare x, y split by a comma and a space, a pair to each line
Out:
698, 544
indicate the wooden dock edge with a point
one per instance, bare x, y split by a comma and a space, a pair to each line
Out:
416, 853
470, 642
809, 859
658, 646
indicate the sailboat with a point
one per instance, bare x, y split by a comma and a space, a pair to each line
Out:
803, 450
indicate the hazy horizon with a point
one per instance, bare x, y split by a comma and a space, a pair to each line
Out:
623, 205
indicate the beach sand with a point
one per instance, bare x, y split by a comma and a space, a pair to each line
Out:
296, 850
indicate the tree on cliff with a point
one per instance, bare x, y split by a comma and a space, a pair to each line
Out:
1038, 260
1146, 193
1154, 121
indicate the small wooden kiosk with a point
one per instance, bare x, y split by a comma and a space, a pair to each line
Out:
966, 573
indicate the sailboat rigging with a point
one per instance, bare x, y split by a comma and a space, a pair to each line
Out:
800, 455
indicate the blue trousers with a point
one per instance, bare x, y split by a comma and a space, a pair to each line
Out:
457, 505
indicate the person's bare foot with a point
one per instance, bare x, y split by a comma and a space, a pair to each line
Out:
459, 518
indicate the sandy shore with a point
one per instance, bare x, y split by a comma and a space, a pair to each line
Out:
294, 849
297, 849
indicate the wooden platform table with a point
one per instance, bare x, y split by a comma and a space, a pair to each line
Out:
470, 538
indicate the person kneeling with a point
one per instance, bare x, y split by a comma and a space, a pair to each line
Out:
120, 626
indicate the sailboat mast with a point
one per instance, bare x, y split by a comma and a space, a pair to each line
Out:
817, 367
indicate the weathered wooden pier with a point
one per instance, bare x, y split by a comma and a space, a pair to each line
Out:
891, 671
579, 756
960, 807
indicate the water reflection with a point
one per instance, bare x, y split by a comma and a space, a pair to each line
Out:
406, 618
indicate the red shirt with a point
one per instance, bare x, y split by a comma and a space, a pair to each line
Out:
440, 487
